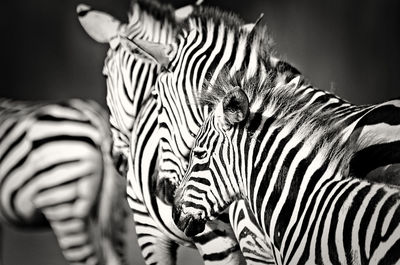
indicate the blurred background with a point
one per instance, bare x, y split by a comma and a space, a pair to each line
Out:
350, 47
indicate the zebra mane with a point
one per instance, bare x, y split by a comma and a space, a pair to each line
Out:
255, 87
217, 16
286, 104
16, 105
155, 9
204, 16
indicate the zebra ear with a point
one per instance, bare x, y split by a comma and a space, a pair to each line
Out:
235, 107
184, 12
251, 26
161, 53
99, 25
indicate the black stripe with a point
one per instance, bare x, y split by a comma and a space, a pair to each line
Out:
392, 255
38, 143
12, 145
52, 118
373, 157
8, 130
207, 237
221, 255
388, 114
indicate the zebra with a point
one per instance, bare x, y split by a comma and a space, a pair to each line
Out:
56, 170
134, 120
282, 149
199, 54
251, 240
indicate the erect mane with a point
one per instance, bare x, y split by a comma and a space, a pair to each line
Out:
203, 16
285, 103
217, 16
155, 9
254, 87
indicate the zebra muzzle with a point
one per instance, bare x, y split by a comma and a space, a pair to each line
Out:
188, 223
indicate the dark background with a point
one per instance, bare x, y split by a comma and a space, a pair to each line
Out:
350, 47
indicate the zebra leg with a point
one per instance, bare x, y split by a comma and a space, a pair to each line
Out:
113, 242
156, 248
74, 238
68, 210
113, 212
255, 247
1, 245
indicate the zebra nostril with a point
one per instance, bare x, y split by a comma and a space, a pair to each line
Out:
194, 226
82, 10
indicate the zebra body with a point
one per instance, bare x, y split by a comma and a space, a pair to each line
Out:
56, 169
135, 128
292, 168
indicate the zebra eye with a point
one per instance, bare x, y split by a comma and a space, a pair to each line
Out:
200, 153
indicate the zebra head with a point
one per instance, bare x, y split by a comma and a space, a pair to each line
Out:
130, 76
213, 181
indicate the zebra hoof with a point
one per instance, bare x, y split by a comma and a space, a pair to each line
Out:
190, 225
166, 190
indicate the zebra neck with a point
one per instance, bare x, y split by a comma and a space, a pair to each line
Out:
289, 148
297, 176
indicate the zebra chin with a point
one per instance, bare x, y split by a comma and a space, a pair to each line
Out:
188, 223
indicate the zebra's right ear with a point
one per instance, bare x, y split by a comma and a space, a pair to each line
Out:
233, 108
102, 27
250, 27
185, 11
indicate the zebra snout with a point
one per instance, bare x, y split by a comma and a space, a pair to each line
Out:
187, 223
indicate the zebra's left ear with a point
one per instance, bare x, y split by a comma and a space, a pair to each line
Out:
161, 53
233, 108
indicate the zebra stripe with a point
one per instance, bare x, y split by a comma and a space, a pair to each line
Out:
56, 169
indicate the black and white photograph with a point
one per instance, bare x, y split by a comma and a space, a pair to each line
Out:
188, 132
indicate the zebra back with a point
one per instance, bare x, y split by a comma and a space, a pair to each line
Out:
56, 169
